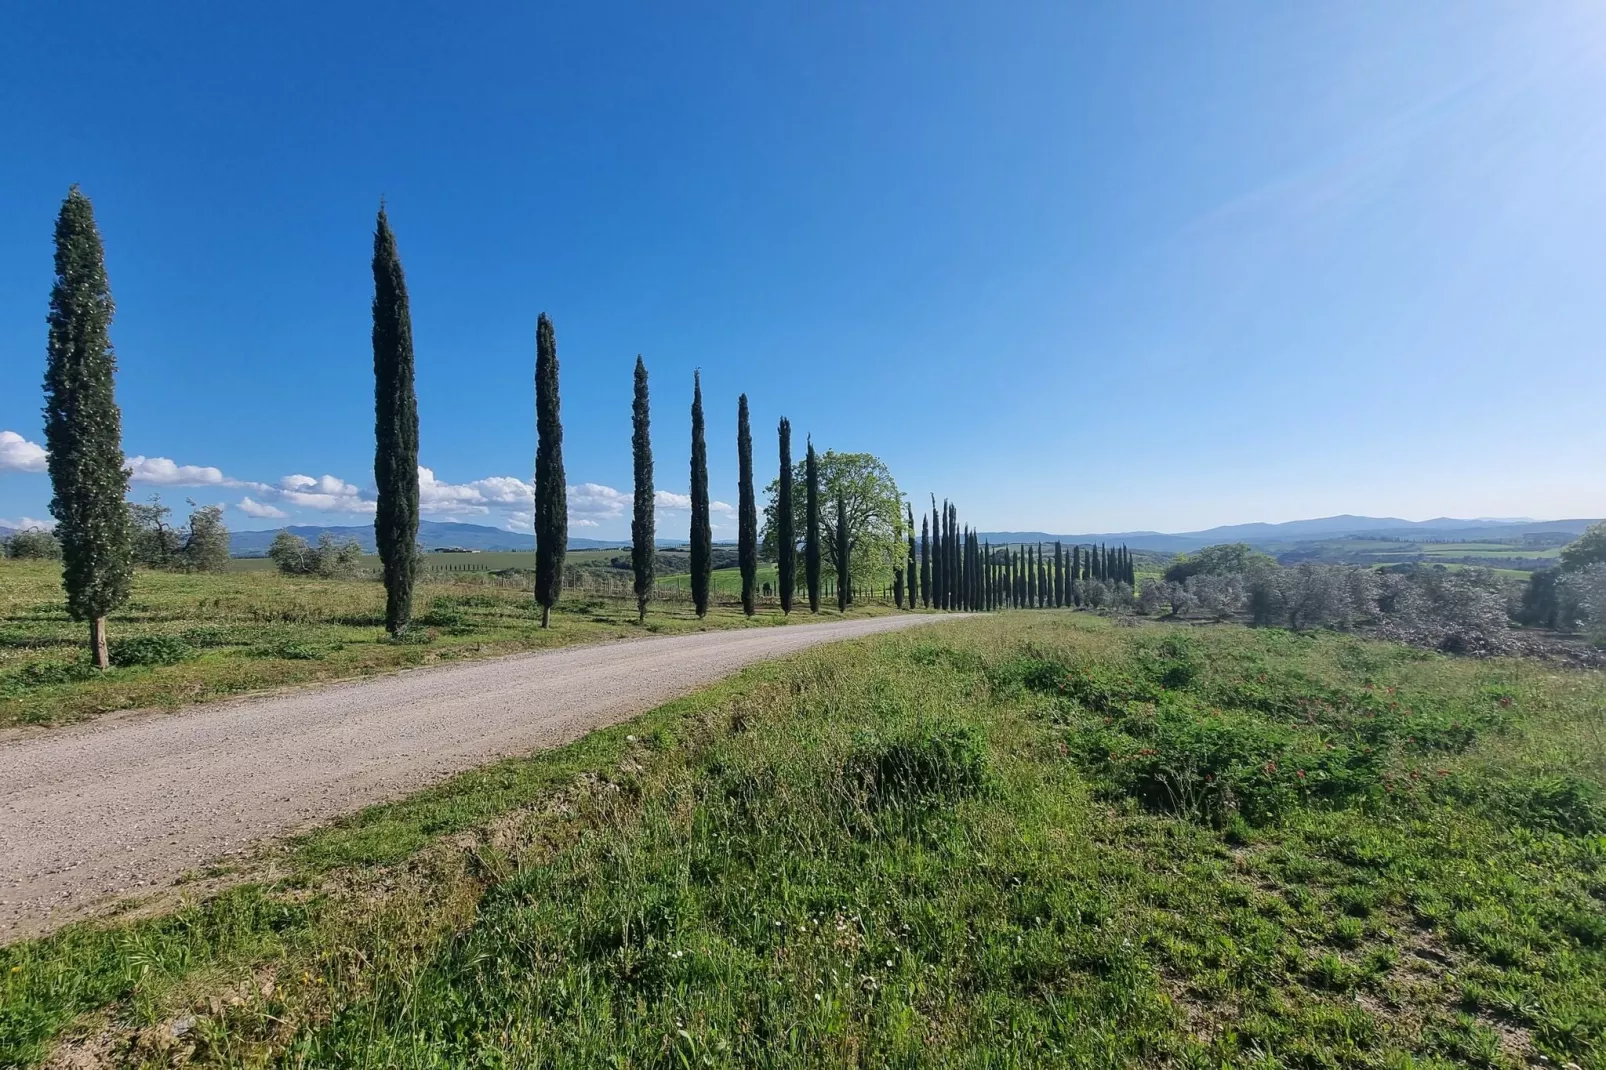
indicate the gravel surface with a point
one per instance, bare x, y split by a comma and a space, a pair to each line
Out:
117, 808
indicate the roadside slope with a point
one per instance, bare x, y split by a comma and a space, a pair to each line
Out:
92, 812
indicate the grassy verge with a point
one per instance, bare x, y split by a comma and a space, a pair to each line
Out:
1033, 839
185, 638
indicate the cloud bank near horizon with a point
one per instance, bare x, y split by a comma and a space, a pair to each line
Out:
506, 501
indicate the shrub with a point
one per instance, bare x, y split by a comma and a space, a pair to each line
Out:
294, 557
34, 544
149, 650
45, 673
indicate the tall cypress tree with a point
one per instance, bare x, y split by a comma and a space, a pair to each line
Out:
702, 534
643, 526
911, 567
925, 561
844, 548
1059, 575
1044, 595
1074, 590
396, 429
746, 509
785, 533
811, 534
84, 428
551, 493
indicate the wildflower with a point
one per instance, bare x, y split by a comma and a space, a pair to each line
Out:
1300, 774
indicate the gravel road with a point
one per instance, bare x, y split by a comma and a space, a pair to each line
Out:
122, 807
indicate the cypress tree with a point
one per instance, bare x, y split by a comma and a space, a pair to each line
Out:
84, 428
785, 535
925, 561
746, 509
1045, 597
1075, 589
844, 574
811, 533
954, 578
1059, 576
643, 526
396, 429
911, 568
702, 534
1031, 578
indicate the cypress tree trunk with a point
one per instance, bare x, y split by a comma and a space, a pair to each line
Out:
395, 430
844, 573
84, 428
785, 535
746, 509
702, 534
643, 527
551, 492
811, 534
911, 567
897, 586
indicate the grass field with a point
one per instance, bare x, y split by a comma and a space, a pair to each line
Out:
484, 561
1024, 840
192, 638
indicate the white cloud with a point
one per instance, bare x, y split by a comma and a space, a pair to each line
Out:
326, 494
477, 497
261, 511
726, 507
17, 454
583, 523
166, 473
593, 501
668, 499
518, 521
24, 523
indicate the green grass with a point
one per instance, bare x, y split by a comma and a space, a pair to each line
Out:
726, 581
1026, 840
482, 561
195, 638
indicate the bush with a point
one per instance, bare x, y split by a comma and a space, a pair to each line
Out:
45, 673
294, 557
34, 544
148, 650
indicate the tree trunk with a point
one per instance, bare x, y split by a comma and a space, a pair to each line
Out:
97, 642
546, 616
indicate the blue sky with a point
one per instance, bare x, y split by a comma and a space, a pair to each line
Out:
1080, 267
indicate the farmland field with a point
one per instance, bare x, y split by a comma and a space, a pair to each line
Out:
1041, 839
189, 638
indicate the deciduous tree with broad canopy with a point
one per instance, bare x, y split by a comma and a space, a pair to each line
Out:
870, 500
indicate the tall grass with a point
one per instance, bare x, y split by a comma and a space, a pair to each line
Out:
1029, 840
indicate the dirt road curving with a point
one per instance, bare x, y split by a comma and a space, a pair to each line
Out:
98, 811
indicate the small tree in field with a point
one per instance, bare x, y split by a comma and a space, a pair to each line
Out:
551, 492
32, 544
643, 530
84, 428
395, 430
746, 509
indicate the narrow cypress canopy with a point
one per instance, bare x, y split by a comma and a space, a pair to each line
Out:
785, 527
925, 560
911, 566
83, 425
746, 509
811, 533
551, 492
395, 430
643, 525
702, 534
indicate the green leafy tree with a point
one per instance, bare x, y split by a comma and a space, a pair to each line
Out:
841, 530
785, 523
1588, 549
551, 490
643, 525
702, 532
746, 509
84, 428
1226, 559
395, 430
32, 544
874, 510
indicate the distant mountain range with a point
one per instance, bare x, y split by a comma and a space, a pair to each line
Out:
435, 534
1278, 536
